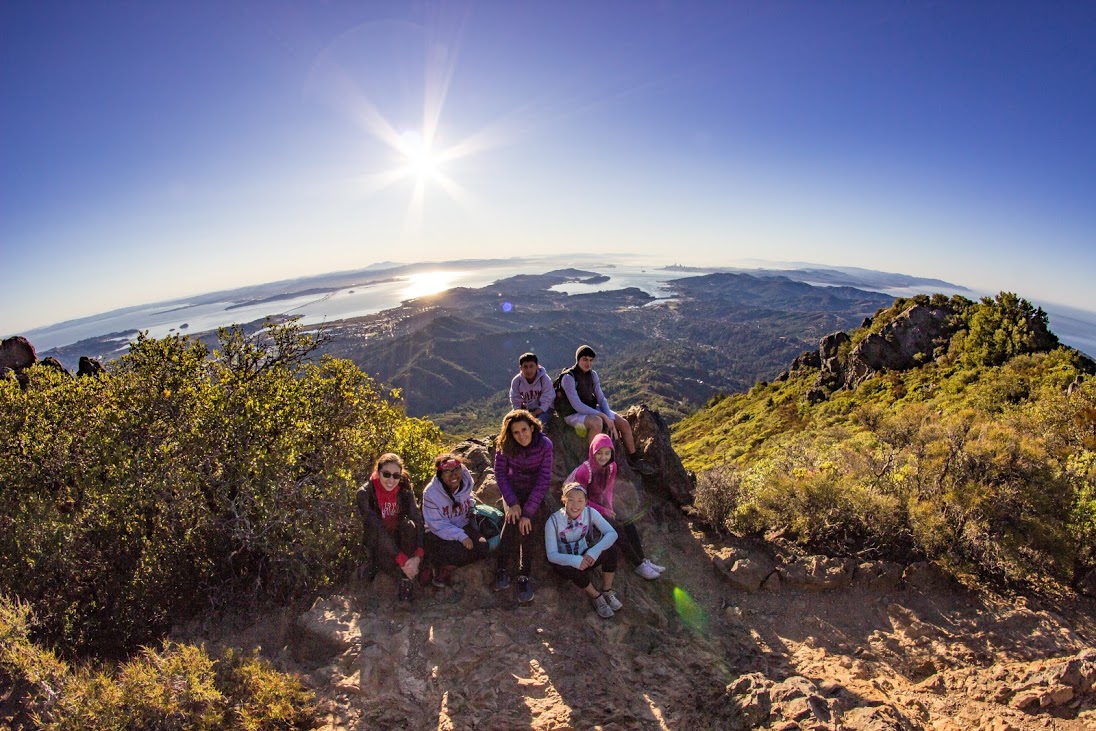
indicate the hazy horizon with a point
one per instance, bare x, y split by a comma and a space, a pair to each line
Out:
154, 151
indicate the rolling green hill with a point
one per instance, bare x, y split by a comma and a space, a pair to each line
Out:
977, 453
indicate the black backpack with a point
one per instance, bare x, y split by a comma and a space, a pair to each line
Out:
562, 403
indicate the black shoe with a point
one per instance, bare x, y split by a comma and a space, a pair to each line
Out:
525, 589
405, 591
502, 580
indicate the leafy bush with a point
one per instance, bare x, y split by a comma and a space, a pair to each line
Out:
986, 465
177, 687
184, 481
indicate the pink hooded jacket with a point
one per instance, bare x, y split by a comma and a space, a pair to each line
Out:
600, 500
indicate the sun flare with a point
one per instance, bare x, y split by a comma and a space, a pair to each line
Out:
425, 283
422, 162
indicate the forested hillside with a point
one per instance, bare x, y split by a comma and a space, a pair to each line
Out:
980, 449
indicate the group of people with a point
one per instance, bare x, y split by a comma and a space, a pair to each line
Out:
428, 545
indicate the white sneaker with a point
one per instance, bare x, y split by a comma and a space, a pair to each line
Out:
612, 600
601, 604
654, 566
647, 571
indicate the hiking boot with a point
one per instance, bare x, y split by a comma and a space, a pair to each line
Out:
640, 465
647, 571
405, 590
601, 604
611, 599
443, 577
502, 580
525, 589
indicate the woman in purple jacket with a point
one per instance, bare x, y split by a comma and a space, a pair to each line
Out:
523, 469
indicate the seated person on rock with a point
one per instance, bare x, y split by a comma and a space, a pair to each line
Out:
532, 389
598, 476
590, 409
392, 523
523, 469
452, 538
573, 555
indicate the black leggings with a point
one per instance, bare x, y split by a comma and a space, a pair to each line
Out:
405, 539
629, 540
581, 578
513, 542
440, 552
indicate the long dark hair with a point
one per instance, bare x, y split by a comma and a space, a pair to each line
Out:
505, 442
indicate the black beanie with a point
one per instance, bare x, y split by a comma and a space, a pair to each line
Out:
584, 350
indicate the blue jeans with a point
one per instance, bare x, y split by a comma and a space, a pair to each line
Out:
546, 417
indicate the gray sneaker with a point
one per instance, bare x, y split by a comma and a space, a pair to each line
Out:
602, 606
611, 599
525, 589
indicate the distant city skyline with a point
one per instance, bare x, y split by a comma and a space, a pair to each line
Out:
150, 151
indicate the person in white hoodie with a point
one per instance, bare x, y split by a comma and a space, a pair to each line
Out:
452, 538
532, 389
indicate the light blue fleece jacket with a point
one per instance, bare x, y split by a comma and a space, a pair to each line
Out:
565, 540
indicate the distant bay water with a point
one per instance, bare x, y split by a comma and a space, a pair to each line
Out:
343, 295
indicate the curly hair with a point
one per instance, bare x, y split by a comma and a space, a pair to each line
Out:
505, 441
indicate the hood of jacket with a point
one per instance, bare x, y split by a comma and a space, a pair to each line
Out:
601, 440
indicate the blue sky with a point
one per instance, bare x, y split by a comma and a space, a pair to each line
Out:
150, 150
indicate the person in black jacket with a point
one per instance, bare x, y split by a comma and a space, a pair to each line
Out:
392, 523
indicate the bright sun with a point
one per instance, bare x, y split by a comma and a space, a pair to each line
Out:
421, 160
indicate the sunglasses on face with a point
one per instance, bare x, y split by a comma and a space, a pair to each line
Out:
391, 475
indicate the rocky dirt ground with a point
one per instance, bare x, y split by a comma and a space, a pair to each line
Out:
731, 637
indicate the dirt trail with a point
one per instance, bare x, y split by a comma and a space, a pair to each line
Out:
691, 651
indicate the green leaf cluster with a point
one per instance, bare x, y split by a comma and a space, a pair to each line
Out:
185, 481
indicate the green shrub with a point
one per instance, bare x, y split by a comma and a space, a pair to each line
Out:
175, 688
185, 481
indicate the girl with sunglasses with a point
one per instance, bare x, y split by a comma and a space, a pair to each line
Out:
452, 538
392, 523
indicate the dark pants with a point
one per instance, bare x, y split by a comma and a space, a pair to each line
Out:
513, 543
383, 549
581, 578
453, 553
629, 541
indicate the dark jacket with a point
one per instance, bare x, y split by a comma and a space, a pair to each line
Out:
370, 511
524, 478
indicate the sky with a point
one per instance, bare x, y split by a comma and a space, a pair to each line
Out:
154, 150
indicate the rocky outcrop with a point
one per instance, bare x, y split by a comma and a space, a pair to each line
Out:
652, 436
913, 338
17, 354
51, 362
90, 367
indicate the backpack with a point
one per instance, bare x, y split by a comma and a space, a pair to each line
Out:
489, 520
562, 404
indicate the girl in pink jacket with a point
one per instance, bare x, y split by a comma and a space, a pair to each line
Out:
598, 476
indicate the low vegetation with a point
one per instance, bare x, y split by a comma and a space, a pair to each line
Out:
174, 687
979, 458
185, 482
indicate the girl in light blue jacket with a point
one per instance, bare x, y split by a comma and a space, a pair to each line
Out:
573, 554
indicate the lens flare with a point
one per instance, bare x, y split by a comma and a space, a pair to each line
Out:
689, 611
